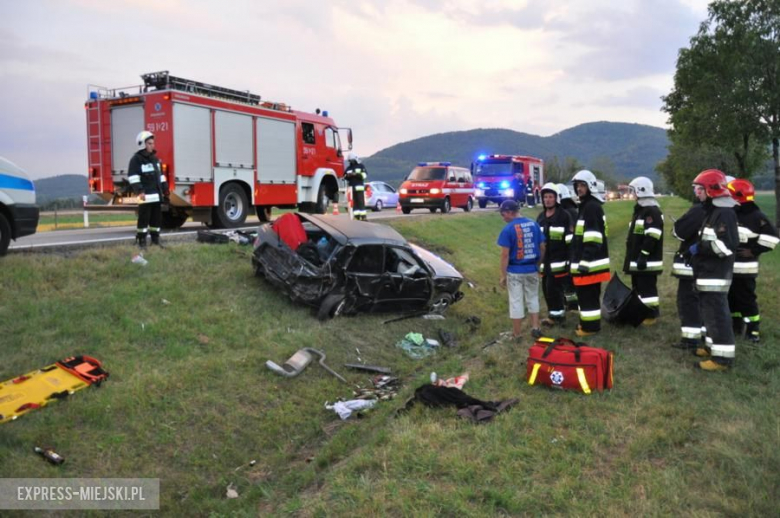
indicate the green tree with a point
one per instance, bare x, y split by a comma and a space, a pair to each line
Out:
725, 93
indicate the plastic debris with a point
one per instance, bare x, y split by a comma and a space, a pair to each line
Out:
231, 491
345, 408
456, 382
416, 346
139, 259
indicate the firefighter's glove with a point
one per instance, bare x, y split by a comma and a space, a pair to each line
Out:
641, 262
583, 268
694, 249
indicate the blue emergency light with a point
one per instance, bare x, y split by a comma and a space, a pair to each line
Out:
504, 185
482, 185
481, 157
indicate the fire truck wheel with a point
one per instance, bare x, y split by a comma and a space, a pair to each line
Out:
5, 235
482, 203
406, 210
263, 213
469, 205
323, 200
433, 210
173, 219
446, 207
232, 208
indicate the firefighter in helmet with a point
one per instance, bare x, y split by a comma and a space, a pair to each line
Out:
557, 226
355, 174
756, 236
686, 230
569, 204
150, 186
712, 257
589, 252
645, 245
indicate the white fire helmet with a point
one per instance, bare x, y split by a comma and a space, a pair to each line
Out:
140, 140
551, 187
642, 187
352, 157
565, 192
590, 180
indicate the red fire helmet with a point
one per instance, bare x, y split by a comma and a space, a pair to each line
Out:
741, 190
714, 183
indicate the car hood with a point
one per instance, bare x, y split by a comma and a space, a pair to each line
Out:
439, 266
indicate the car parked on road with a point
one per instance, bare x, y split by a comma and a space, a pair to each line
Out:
346, 267
380, 195
437, 185
18, 211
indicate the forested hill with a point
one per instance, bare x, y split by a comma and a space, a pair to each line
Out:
621, 150
65, 186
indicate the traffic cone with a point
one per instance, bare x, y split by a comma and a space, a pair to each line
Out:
335, 208
398, 207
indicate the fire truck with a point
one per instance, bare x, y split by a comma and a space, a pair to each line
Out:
224, 152
506, 177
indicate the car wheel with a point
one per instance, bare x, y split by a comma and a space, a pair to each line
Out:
482, 203
378, 207
441, 303
446, 207
263, 213
406, 210
332, 306
259, 270
232, 209
5, 235
469, 205
433, 210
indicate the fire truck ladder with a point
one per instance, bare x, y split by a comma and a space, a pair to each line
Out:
95, 131
164, 81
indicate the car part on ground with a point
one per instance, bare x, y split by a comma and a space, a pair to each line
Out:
299, 361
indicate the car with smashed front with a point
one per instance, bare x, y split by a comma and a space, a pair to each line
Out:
340, 267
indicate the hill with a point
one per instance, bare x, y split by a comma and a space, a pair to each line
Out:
631, 149
66, 186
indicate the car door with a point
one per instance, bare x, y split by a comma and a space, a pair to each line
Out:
364, 275
392, 196
406, 283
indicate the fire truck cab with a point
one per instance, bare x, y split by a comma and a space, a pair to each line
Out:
437, 185
225, 153
506, 177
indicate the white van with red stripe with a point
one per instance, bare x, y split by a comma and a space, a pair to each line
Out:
437, 185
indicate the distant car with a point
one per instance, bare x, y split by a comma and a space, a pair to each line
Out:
381, 195
346, 267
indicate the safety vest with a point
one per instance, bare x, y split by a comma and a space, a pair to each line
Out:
589, 244
556, 229
756, 235
718, 238
646, 238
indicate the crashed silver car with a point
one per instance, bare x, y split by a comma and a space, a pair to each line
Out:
346, 267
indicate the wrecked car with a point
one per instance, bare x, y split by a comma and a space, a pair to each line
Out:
340, 267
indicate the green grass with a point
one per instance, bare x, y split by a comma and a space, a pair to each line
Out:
189, 399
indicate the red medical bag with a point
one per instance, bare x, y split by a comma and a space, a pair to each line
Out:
563, 364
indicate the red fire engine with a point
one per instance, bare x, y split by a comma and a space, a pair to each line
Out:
507, 177
224, 152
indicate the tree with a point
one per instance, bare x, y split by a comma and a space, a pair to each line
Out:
726, 88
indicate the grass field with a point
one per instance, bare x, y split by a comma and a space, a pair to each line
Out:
189, 399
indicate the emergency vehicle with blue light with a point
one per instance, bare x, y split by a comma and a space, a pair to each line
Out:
506, 177
437, 185
224, 152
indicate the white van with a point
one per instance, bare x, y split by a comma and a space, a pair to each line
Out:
18, 211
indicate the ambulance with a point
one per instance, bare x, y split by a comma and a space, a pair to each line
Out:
437, 185
18, 212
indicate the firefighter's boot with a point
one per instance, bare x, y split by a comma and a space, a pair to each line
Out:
156, 240
649, 322
714, 366
140, 240
686, 344
751, 333
581, 332
738, 325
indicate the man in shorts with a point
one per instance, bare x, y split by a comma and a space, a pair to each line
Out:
522, 251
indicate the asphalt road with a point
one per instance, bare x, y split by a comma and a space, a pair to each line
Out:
107, 236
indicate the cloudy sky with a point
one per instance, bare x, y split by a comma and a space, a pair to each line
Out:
392, 70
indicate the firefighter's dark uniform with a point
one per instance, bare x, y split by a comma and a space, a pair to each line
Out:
756, 236
571, 296
644, 251
713, 266
555, 268
589, 261
145, 177
529, 193
356, 174
686, 229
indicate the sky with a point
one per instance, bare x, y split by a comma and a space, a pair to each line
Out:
392, 70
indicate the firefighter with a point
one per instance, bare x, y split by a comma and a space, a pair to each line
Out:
589, 252
712, 258
569, 204
355, 174
529, 193
557, 226
150, 186
645, 245
756, 236
686, 229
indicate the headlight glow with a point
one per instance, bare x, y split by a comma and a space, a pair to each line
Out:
403, 191
504, 185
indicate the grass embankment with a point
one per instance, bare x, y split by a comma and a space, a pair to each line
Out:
189, 399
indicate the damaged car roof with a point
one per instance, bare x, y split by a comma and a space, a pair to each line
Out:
359, 232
